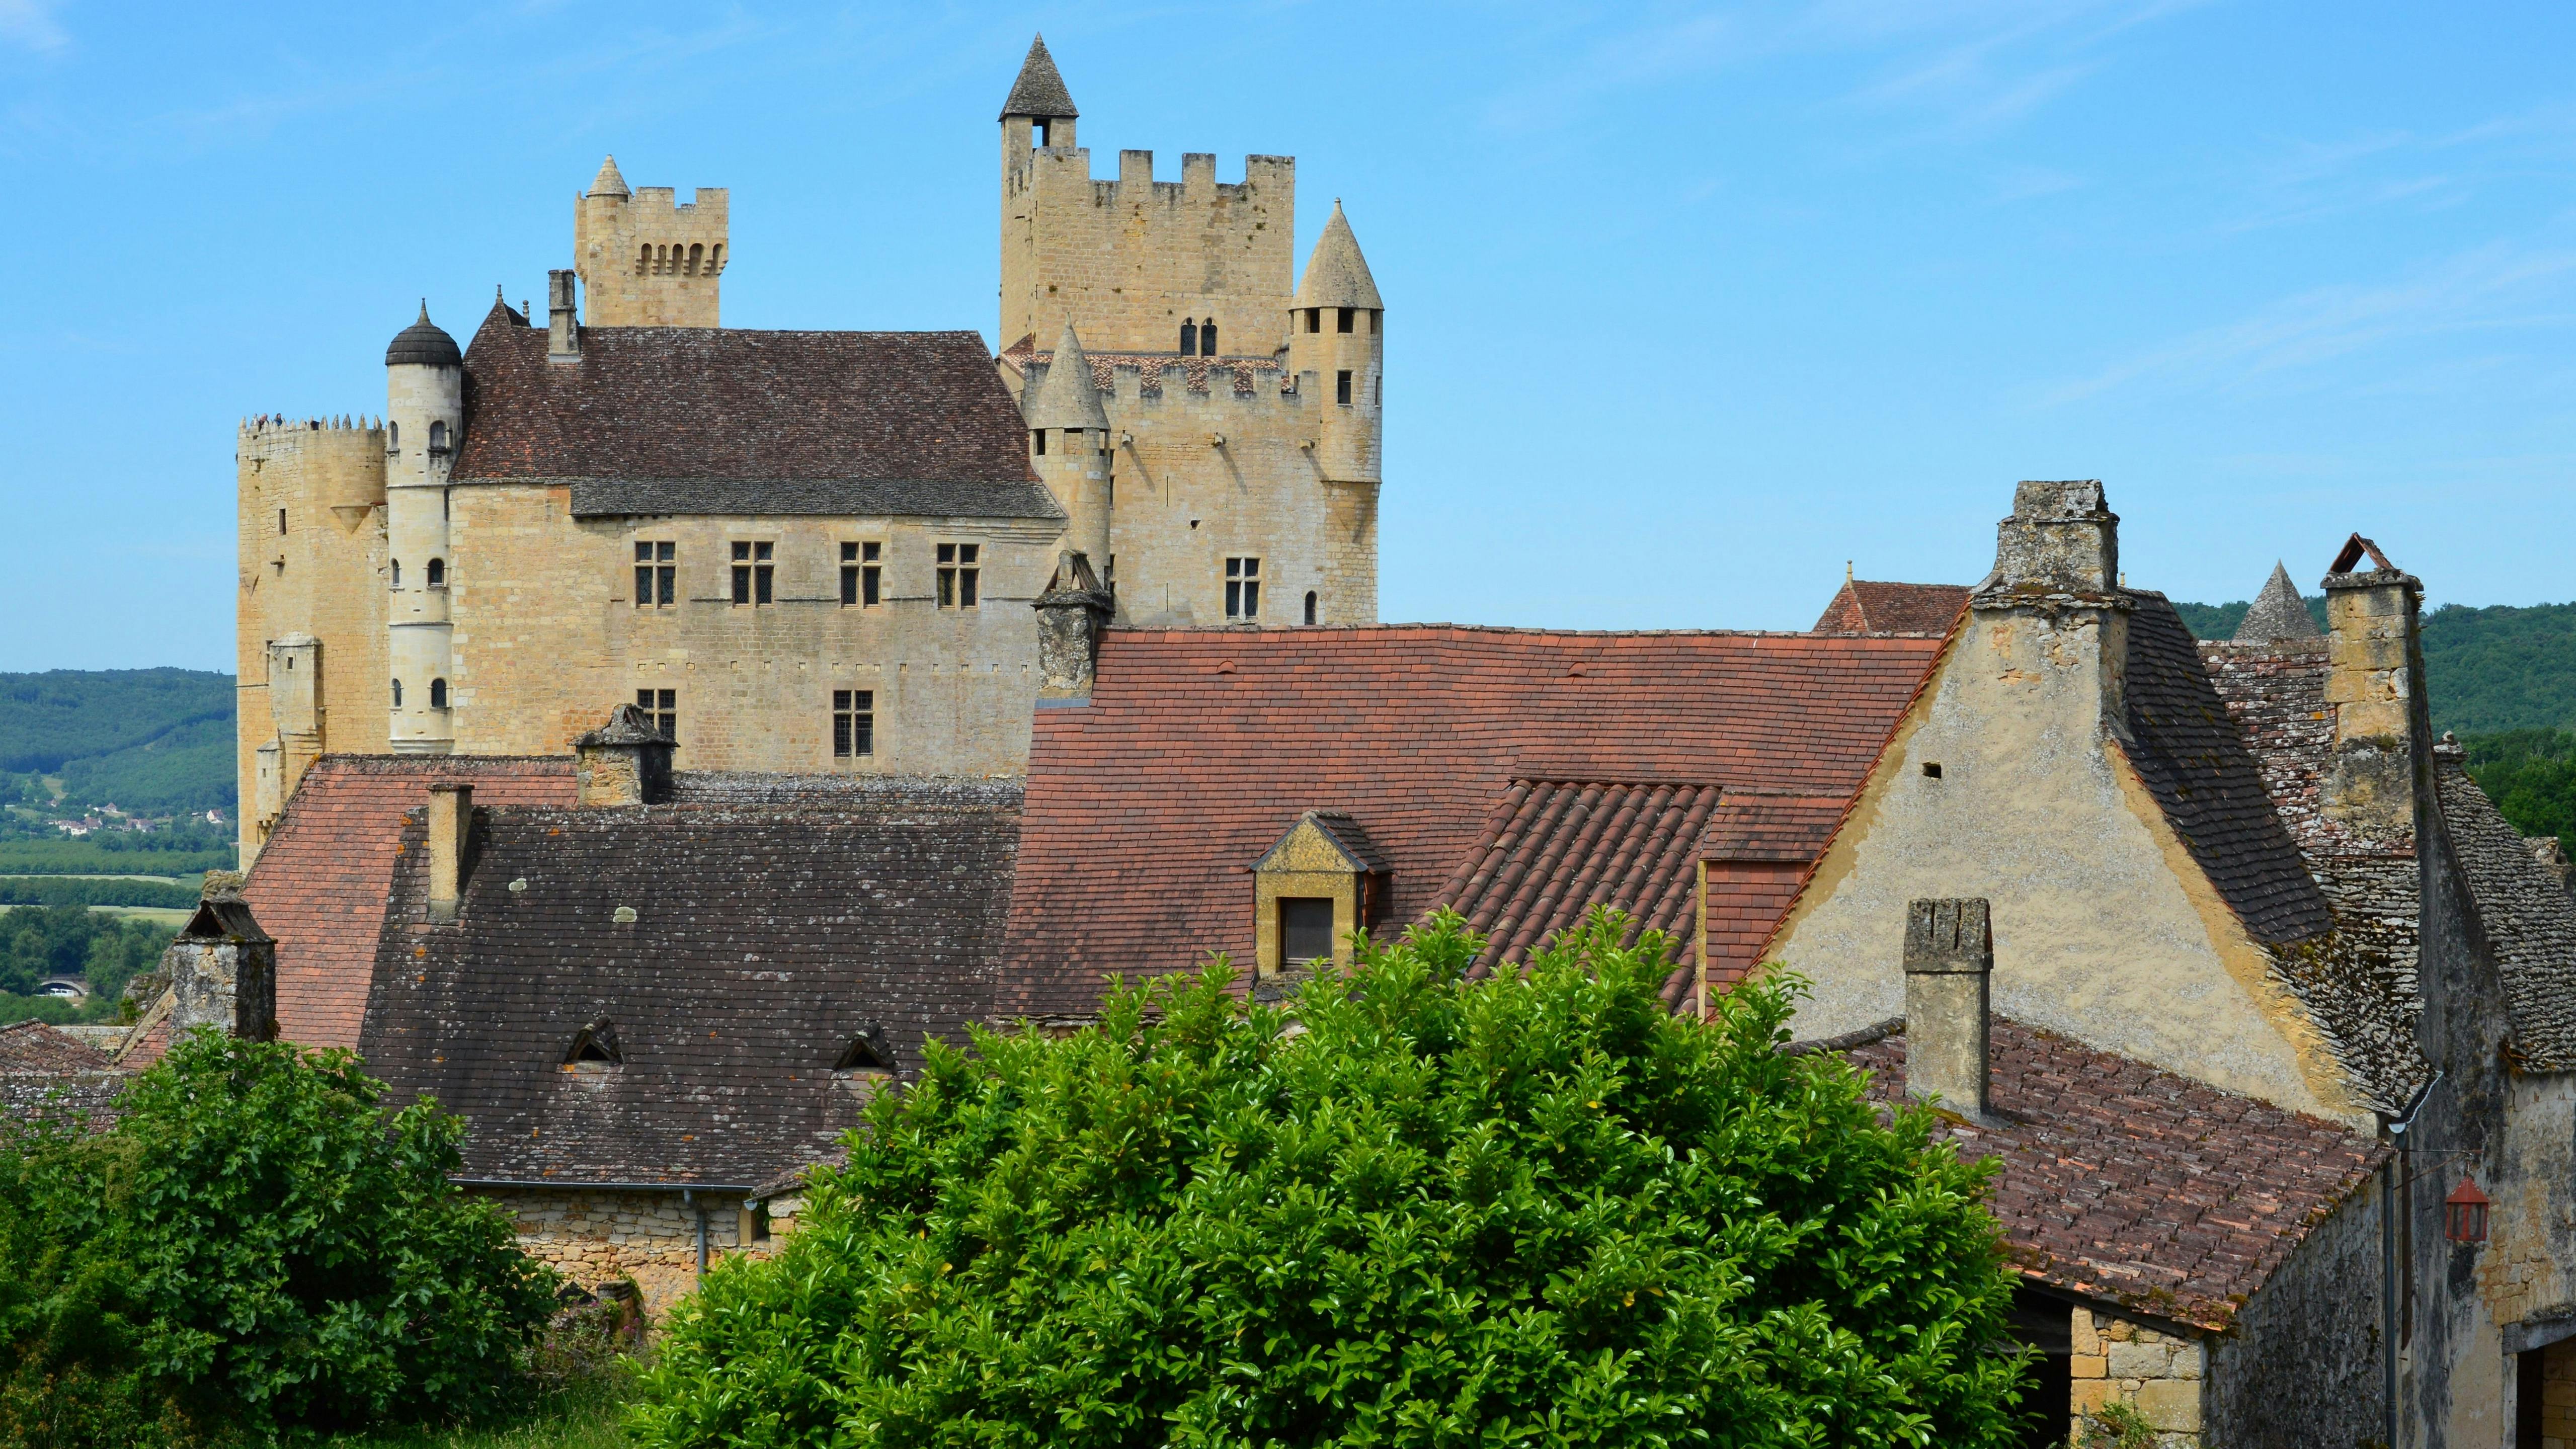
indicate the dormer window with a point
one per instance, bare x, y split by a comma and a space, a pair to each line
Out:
1323, 881
594, 1049
865, 1053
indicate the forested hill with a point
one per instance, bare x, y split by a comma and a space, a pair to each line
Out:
2489, 670
149, 741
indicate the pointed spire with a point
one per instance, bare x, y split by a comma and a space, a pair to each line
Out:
1039, 92
1336, 274
608, 182
1067, 397
2278, 612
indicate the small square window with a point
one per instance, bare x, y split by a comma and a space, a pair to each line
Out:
1342, 322
854, 724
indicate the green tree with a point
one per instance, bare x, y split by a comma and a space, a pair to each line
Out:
2531, 776
257, 1248
1415, 1210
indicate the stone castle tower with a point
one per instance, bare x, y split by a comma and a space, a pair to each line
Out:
1223, 444
817, 551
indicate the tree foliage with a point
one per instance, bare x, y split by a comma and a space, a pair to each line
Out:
256, 1249
2531, 776
1413, 1210
103, 950
149, 740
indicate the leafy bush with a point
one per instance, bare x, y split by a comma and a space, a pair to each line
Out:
1532, 1210
256, 1249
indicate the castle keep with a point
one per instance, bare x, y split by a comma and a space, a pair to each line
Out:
817, 552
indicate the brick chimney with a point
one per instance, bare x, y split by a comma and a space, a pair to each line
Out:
451, 817
222, 970
623, 762
1072, 614
2375, 665
1949, 968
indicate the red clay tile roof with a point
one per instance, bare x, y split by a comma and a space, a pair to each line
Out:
704, 419
1556, 848
1758, 848
2129, 1184
320, 884
1862, 607
1199, 747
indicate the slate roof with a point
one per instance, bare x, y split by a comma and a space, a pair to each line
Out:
1555, 848
2277, 612
1201, 746
730, 420
2524, 913
48, 1075
1864, 607
1039, 91
765, 936
319, 885
2194, 761
2129, 1184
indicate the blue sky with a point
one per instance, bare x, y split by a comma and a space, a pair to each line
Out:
1687, 305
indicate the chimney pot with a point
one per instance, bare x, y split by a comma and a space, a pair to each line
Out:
625, 761
1072, 614
451, 814
1949, 970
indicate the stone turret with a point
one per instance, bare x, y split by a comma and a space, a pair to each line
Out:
424, 429
647, 259
1336, 347
1069, 446
2278, 613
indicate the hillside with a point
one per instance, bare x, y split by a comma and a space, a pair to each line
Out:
149, 741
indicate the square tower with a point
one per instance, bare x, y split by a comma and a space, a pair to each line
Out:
647, 260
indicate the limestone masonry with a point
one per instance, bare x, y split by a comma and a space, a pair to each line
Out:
812, 551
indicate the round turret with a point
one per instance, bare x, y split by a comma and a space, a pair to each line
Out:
424, 344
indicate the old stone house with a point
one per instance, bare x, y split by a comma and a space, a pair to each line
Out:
812, 551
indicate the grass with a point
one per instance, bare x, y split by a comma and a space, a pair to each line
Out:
583, 1416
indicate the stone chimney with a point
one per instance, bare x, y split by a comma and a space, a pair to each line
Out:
451, 819
2061, 539
1949, 968
1072, 614
563, 322
222, 971
623, 762
2375, 662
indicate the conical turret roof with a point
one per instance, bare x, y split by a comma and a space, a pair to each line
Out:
424, 343
1040, 90
608, 182
1066, 397
1337, 275
2278, 613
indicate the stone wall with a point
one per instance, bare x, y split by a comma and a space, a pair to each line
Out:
548, 637
650, 260
2558, 1396
2161, 1375
597, 1237
2302, 1364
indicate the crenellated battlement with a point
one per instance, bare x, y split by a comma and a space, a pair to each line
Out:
278, 425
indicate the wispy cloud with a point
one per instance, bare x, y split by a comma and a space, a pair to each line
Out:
30, 24
2495, 288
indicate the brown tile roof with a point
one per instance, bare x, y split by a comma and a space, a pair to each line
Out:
2194, 761
1863, 607
2524, 916
319, 886
47, 1075
727, 420
1556, 848
1199, 747
772, 923
2129, 1184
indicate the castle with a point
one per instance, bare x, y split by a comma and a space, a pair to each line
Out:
817, 552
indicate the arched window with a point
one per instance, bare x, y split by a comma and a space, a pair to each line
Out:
1190, 337
397, 694
393, 437
437, 573
438, 694
397, 568
644, 259
1310, 606
1207, 338
697, 253
438, 437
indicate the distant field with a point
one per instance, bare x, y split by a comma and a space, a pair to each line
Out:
88, 857
82, 890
